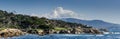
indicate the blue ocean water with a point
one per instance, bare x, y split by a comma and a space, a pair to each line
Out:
67, 36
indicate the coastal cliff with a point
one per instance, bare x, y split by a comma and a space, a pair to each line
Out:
34, 25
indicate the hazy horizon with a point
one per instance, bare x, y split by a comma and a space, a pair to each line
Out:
107, 10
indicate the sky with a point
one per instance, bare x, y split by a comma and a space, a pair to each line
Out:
106, 10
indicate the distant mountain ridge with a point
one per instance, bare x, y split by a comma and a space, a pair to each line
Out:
95, 23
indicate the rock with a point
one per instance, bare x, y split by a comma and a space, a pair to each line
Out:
104, 30
56, 32
10, 32
96, 31
32, 32
92, 31
64, 32
48, 31
40, 32
76, 31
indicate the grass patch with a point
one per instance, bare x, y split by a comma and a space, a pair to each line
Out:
39, 29
2, 29
60, 28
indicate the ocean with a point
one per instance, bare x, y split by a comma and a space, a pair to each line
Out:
68, 36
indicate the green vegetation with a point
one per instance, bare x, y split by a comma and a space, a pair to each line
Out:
59, 28
2, 29
11, 20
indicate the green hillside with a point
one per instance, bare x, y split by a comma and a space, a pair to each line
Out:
11, 20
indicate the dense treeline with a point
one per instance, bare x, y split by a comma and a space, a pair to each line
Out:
11, 20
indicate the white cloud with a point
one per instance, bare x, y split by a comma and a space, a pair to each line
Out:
59, 12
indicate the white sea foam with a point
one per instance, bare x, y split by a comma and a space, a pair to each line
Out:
99, 35
106, 32
115, 33
111, 32
71, 35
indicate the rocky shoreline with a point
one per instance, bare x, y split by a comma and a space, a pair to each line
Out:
17, 24
17, 32
11, 32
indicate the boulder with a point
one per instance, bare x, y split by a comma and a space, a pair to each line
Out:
92, 31
10, 32
32, 32
76, 31
41, 32
64, 32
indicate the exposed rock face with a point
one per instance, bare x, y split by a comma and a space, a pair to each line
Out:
10, 32
77, 30
64, 32
92, 31
17, 32
73, 31
40, 32
32, 31
48, 32
104, 30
